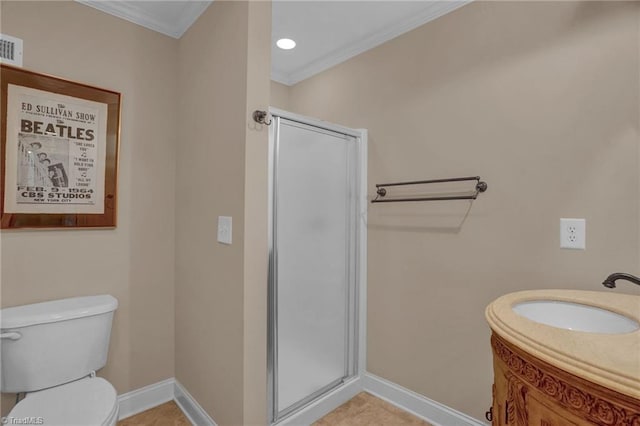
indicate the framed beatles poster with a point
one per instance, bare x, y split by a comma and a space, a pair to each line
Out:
59, 152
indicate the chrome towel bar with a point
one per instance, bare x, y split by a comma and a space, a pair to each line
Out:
382, 191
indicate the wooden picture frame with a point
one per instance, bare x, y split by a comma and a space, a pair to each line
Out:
59, 152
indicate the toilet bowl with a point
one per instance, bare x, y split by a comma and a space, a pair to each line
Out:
50, 351
85, 402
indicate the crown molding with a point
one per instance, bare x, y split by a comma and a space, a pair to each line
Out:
282, 77
338, 56
128, 11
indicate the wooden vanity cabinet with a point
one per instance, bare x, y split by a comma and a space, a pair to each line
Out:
528, 392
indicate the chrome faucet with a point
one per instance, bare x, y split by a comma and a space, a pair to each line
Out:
610, 282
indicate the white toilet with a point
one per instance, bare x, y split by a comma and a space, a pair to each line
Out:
51, 351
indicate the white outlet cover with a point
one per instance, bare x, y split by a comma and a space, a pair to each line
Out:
224, 229
573, 234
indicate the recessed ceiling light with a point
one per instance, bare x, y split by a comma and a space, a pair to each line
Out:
286, 44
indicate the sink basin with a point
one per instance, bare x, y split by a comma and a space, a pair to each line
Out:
575, 316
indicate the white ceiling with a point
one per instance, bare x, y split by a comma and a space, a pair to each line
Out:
326, 32
330, 32
172, 18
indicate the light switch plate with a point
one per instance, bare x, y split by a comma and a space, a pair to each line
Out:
224, 229
573, 234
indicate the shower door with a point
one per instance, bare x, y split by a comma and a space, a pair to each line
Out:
312, 261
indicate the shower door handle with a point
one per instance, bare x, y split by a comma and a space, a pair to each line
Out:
12, 335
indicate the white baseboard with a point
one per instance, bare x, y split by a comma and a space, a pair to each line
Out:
142, 399
188, 404
325, 404
145, 398
433, 412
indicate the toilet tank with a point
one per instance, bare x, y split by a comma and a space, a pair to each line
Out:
51, 343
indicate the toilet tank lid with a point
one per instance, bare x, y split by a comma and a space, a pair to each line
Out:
56, 310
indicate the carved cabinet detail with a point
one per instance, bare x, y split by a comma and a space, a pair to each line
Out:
531, 392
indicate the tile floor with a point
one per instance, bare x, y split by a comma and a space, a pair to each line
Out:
167, 414
362, 410
366, 410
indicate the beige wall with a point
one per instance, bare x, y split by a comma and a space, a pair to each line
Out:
220, 301
280, 95
256, 215
135, 261
542, 101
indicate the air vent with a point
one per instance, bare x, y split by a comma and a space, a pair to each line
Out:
10, 50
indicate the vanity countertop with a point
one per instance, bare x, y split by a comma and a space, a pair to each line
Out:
610, 360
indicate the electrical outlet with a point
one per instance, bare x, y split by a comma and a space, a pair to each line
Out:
573, 234
224, 229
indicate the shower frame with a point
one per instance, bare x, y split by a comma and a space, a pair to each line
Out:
320, 402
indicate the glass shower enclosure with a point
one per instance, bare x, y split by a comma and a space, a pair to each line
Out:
313, 275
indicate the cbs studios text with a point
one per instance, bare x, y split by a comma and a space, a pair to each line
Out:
53, 194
